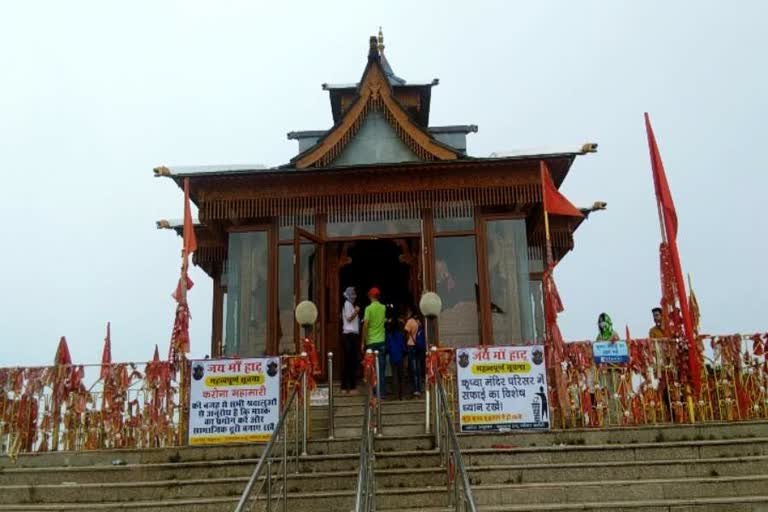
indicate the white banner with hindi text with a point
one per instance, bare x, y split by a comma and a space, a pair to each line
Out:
502, 388
233, 400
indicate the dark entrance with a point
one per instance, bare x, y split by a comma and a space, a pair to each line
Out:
378, 263
392, 265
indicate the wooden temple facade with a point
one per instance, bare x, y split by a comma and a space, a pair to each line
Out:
381, 198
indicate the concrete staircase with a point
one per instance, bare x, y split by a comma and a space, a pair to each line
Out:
686, 468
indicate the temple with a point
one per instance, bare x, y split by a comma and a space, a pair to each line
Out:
380, 198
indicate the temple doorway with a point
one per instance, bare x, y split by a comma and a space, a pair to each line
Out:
388, 264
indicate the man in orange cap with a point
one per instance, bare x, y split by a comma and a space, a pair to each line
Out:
373, 331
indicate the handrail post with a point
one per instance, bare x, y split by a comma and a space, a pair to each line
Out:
285, 471
438, 422
330, 396
269, 484
427, 409
296, 419
305, 413
379, 385
265, 460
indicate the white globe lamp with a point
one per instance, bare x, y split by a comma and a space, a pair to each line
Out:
430, 304
306, 313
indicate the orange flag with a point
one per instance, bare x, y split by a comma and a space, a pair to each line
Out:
190, 240
555, 203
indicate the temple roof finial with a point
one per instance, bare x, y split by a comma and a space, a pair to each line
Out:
381, 42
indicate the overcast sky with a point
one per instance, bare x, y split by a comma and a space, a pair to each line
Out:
93, 95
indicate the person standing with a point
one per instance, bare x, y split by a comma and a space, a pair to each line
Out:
657, 331
416, 347
395, 350
373, 332
605, 330
351, 340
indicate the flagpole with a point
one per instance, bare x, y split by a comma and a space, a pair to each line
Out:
665, 226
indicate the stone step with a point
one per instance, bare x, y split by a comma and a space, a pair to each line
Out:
664, 493
219, 483
342, 503
621, 435
581, 492
390, 455
388, 407
720, 504
227, 452
387, 418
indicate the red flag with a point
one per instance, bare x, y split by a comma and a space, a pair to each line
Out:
669, 219
106, 355
62, 353
180, 334
555, 203
190, 240
554, 343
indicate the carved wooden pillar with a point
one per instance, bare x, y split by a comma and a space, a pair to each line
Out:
217, 319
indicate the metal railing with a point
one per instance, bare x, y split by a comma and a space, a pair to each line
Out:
365, 497
330, 396
458, 485
274, 485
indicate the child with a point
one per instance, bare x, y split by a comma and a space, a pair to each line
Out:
395, 349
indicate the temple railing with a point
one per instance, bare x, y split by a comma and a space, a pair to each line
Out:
119, 405
365, 494
458, 485
267, 488
654, 387
89, 407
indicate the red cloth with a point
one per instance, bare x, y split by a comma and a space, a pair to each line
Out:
554, 345
190, 240
62, 353
664, 198
106, 355
180, 335
555, 203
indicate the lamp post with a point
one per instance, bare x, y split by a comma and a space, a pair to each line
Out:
430, 305
306, 316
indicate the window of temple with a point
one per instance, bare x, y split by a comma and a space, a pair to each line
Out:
456, 280
288, 223
537, 309
455, 216
285, 302
508, 279
377, 219
246, 308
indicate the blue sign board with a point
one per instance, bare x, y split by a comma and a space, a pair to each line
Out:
607, 352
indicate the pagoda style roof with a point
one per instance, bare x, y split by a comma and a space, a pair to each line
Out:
375, 92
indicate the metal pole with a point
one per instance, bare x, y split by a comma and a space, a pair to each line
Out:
330, 395
296, 418
269, 484
305, 415
427, 419
379, 385
262, 460
285, 471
